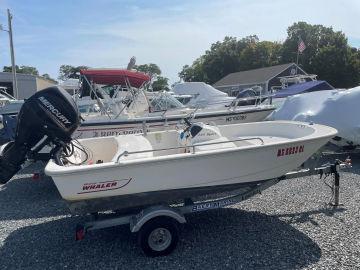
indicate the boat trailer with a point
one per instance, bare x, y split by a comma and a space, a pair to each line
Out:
157, 226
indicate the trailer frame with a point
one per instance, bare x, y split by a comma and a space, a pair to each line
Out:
170, 216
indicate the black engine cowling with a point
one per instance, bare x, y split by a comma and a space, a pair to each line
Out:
50, 115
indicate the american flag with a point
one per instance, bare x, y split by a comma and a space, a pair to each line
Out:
301, 46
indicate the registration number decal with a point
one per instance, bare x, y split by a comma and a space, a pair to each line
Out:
236, 118
290, 150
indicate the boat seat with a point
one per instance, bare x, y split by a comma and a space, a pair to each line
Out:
132, 143
217, 145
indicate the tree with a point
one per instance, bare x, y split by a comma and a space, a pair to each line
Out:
9, 68
22, 69
195, 72
158, 82
68, 71
47, 77
260, 54
232, 55
327, 53
151, 69
29, 70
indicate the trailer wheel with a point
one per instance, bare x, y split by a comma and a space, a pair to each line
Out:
158, 236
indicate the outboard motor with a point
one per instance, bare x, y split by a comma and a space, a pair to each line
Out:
48, 117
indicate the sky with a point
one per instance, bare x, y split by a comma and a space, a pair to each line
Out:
171, 34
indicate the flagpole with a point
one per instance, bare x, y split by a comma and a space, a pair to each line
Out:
297, 61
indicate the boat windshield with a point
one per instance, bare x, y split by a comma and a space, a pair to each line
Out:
114, 90
184, 99
89, 108
164, 101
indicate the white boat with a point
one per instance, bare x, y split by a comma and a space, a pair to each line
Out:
139, 112
133, 170
338, 108
295, 85
201, 94
8, 103
290, 85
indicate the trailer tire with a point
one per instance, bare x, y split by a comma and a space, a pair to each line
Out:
159, 236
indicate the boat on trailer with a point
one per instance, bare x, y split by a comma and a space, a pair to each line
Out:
98, 174
149, 171
152, 180
156, 226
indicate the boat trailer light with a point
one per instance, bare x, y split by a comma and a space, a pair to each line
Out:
348, 161
35, 176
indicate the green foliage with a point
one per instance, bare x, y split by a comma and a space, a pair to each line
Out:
9, 68
22, 69
195, 72
161, 84
47, 77
150, 69
232, 55
327, 54
68, 71
28, 70
158, 82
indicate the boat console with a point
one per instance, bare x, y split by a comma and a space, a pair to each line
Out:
204, 137
49, 117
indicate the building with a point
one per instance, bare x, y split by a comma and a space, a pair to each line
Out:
27, 84
264, 77
70, 85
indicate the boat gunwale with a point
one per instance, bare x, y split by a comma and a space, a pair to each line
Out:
54, 169
175, 117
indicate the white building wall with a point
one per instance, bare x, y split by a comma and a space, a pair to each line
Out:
27, 84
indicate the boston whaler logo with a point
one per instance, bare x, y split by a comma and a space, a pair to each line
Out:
54, 111
290, 150
104, 186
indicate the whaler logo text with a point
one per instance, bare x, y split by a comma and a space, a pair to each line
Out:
290, 150
54, 111
104, 186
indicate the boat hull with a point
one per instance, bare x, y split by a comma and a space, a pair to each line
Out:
91, 129
203, 169
132, 202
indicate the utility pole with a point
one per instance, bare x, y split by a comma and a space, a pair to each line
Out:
15, 88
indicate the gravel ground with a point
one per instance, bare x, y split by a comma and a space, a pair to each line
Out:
289, 226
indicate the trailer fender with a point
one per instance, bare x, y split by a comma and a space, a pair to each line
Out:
145, 215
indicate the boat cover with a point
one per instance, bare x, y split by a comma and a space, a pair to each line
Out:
336, 108
116, 76
299, 88
202, 92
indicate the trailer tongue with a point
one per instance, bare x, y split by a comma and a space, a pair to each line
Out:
48, 117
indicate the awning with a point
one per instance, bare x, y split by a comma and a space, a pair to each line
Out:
299, 88
115, 76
